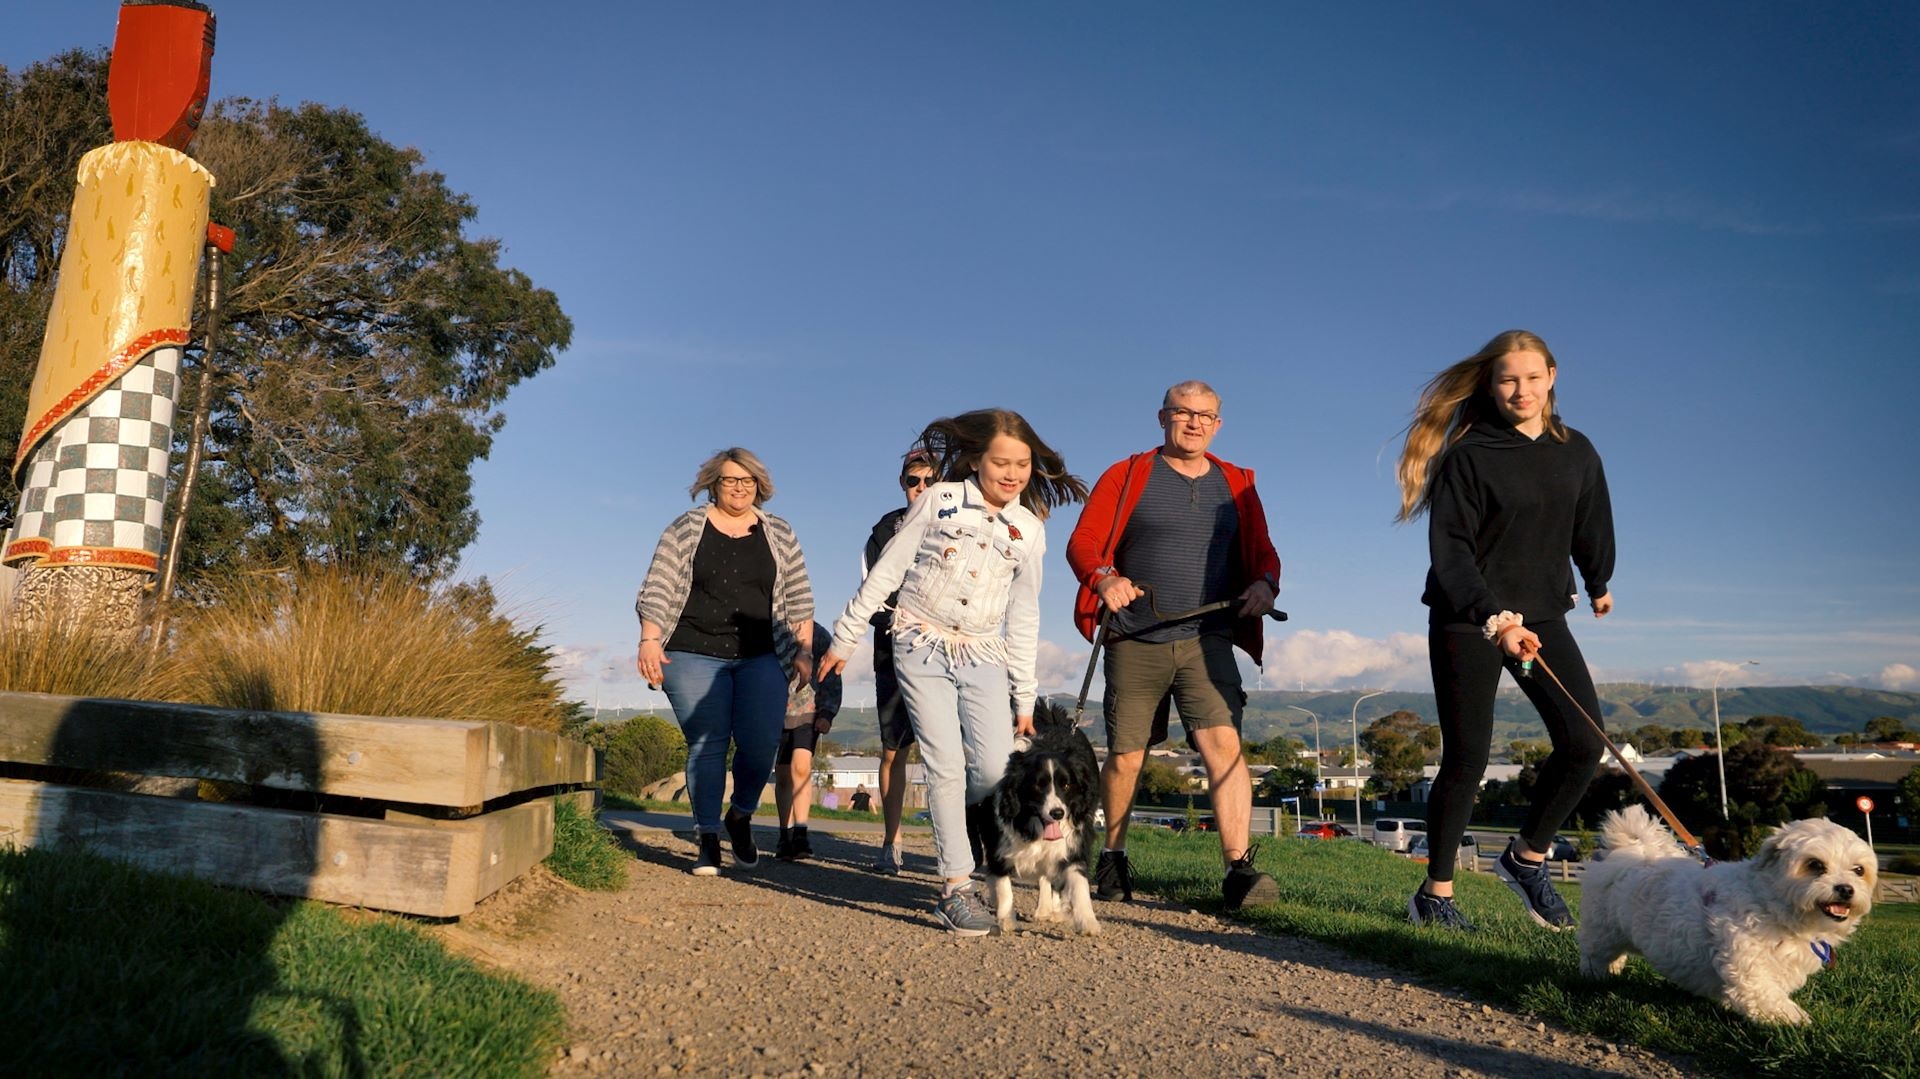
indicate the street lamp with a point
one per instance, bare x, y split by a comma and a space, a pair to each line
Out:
1355, 717
1719, 752
1319, 806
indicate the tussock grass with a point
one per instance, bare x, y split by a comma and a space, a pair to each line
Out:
584, 853
1354, 896
203, 981
359, 642
69, 658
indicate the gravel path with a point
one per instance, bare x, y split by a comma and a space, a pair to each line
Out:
825, 968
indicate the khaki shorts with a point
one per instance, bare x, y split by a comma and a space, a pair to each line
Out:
1198, 675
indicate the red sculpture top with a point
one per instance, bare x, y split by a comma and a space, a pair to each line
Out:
162, 65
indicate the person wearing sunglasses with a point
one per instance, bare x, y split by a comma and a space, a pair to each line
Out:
896, 732
726, 628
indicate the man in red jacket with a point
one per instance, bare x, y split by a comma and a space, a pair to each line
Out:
1189, 527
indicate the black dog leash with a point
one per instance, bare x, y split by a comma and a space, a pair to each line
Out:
1100, 635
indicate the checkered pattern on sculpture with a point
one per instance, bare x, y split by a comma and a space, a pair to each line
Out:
95, 489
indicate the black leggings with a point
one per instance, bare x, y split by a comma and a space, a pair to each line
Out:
1466, 674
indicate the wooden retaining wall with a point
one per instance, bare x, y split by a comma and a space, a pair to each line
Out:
419, 816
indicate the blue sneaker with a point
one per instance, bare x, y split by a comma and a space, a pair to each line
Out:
1437, 910
964, 913
1534, 885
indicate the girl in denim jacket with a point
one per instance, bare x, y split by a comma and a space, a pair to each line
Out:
967, 564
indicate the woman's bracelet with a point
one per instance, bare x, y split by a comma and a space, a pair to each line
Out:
1500, 623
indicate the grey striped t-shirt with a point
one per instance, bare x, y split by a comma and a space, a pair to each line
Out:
1180, 539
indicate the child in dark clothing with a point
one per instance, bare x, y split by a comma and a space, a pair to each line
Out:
1515, 502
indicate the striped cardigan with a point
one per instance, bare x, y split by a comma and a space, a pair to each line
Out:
663, 595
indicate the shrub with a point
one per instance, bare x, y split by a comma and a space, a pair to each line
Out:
372, 642
1904, 863
640, 751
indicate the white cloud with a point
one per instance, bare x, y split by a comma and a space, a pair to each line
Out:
1338, 659
1702, 672
1900, 676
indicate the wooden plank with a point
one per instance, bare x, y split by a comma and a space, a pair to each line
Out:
438, 762
436, 869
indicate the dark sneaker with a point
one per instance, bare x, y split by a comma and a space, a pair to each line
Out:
1113, 876
1437, 910
964, 913
740, 831
707, 862
1534, 885
784, 850
801, 848
888, 863
1247, 886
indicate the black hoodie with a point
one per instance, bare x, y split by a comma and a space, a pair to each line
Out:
1507, 514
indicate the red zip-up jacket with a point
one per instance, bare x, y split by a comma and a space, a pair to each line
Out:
1097, 534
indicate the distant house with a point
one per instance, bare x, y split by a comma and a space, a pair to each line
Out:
847, 773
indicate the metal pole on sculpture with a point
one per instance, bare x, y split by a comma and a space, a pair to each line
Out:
219, 241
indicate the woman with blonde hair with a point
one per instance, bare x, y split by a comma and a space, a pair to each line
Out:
1515, 502
726, 626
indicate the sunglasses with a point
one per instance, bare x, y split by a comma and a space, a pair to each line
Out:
908, 483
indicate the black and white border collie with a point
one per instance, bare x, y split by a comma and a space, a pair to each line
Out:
1043, 822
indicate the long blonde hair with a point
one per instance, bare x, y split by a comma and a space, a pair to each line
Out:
1451, 404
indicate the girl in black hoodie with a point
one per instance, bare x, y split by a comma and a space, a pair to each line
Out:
1515, 502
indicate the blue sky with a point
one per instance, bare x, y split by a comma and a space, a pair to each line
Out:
810, 228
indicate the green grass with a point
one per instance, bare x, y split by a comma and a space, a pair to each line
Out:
106, 970
583, 852
1354, 896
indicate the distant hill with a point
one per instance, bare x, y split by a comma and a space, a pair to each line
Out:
1825, 710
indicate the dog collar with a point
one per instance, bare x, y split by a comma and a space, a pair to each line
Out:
1822, 951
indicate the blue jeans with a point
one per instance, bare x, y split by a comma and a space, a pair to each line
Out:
722, 702
963, 719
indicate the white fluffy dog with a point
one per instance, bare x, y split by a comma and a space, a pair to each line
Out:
1746, 934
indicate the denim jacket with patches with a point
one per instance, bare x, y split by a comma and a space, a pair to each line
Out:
962, 569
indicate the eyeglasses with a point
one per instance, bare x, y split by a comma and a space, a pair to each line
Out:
738, 481
1186, 415
908, 483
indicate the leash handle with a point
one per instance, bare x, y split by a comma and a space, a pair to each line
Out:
1205, 608
1666, 814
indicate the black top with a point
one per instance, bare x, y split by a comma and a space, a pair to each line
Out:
883, 532
729, 611
1508, 512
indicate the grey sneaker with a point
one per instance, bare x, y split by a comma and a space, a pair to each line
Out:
889, 861
1534, 885
1246, 886
964, 913
1437, 910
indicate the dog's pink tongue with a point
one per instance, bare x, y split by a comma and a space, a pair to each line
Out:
1054, 831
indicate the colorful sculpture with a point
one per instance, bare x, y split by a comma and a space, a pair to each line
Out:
92, 464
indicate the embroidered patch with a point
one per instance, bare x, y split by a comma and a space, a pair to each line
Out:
1013, 533
948, 512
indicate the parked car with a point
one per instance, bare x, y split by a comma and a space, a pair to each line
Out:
1417, 849
1324, 829
1563, 850
1394, 833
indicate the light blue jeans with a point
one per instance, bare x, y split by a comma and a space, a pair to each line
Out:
963, 719
722, 702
